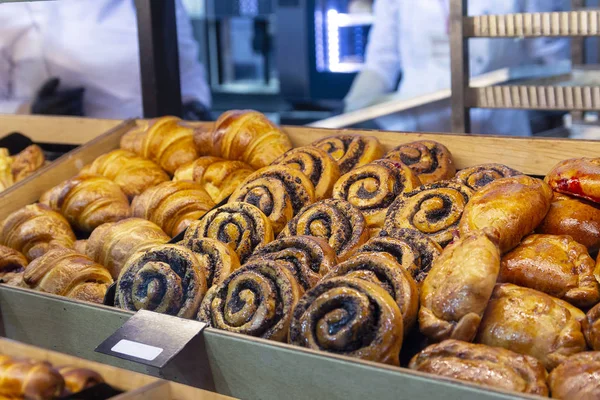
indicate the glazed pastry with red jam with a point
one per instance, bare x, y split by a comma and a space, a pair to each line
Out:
579, 177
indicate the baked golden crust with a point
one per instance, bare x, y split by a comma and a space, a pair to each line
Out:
65, 272
216, 259
26, 379
256, 300
577, 218
34, 229
372, 188
456, 291
12, 265
167, 279
79, 379
337, 221
591, 327
172, 205
27, 162
513, 206
351, 151
484, 365
578, 377
88, 201
579, 177
243, 135
278, 191
556, 265
431, 161
111, 244
479, 176
533, 323
334, 313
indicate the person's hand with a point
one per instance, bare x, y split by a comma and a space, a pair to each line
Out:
51, 101
195, 111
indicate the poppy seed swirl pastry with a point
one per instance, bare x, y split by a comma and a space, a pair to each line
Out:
337, 221
383, 270
490, 366
307, 257
480, 175
373, 187
166, 279
351, 151
316, 164
351, 317
278, 191
241, 226
431, 161
434, 210
216, 259
256, 300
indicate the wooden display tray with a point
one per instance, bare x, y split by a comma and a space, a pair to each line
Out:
242, 366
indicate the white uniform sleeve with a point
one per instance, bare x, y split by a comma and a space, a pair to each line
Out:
383, 52
193, 77
8, 105
12, 26
548, 50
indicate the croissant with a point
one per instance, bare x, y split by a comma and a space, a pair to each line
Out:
79, 379
168, 141
172, 205
65, 272
12, 265
6, 176
111, 244
244, 136
132, 173
34, 229
27, 162
29, 380
88, 201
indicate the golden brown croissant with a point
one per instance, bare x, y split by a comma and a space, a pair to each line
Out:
27, 162
577, 218
244, 136
79, 379
577, 377
331, 315
556, 265
514, 206
88, 201
484, 365
172, 205
431, 161
29, 380
533, 323
80, 246
111, 244
457, 289
579, 177
168, 141
12, 265
65, 272
132, 173
218, 176
351, 151
6, 176
34, 229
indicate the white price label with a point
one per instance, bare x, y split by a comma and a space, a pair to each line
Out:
138, 350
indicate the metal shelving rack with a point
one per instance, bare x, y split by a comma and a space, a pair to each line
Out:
578, 93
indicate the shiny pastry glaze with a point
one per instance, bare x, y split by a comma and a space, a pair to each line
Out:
484, 365
578, 177
337, 221
431, 161
434, 210
556, 265
383, 270
278, 191
591, 327
351, 151
78, 379
27, 162
241, 226
307, 257
217, 260
577, 378
481, 175
532, 323
373, 187
349, 316
167, 279
255, 300
457, 289
26, 379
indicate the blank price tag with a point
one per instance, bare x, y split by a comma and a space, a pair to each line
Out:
150, 338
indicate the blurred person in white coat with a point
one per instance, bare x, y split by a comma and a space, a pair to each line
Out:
81, 57
412, 38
